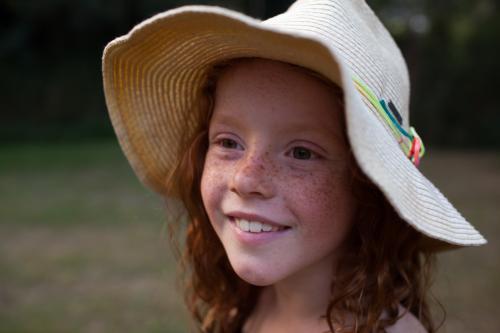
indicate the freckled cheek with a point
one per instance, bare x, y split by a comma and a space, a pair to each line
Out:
319, 201
209, 182
213, 184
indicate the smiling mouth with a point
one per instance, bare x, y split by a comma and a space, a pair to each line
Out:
255, 226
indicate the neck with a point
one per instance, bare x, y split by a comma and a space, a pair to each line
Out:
297, 301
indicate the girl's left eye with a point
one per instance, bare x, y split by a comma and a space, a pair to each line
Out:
302, 153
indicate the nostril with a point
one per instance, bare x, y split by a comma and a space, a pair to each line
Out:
252, 181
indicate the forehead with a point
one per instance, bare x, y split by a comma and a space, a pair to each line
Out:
280, 94
265, 73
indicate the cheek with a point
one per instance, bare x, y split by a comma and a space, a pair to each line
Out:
322, 202
212, 184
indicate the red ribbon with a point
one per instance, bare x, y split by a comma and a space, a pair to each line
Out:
414, 154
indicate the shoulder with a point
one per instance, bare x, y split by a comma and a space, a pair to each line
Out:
406, 324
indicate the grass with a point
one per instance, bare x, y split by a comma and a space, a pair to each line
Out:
468, 283
88, 279
71, 184
83, 246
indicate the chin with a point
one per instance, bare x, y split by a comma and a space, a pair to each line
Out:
255, 279
252, 275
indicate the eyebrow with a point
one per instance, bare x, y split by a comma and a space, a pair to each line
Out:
291, 128
301, 128
294, 127
226, 119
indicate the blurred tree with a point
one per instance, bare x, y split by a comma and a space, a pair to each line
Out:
458, 72
451, 48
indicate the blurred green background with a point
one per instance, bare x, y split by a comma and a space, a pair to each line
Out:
83, 246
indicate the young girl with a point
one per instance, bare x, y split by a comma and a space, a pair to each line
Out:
287, 143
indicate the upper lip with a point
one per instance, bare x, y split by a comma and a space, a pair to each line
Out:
254, 217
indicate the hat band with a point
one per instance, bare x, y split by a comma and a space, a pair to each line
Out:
410, 143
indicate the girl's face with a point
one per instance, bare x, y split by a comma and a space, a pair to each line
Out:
276, 160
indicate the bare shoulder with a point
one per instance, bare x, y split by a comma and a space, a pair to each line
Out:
407, 324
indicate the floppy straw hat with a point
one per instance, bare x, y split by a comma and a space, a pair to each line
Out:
154, 75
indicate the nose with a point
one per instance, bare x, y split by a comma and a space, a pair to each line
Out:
251, 178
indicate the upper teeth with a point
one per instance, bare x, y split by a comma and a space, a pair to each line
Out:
254, 226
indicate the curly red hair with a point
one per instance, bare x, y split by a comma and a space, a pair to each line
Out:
385, 265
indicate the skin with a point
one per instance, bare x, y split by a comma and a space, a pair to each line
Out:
276, 149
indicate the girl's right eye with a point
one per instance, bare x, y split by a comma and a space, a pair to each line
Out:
227, 143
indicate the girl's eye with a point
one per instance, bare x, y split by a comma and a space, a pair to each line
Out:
228, 143
302, 153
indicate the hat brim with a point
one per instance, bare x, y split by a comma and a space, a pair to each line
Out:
153, 80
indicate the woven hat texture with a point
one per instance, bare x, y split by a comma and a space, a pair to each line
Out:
154, 75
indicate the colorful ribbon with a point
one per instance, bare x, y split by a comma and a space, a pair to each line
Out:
410, 143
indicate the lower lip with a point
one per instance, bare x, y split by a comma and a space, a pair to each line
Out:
257, 238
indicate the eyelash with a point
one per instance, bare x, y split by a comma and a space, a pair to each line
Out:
220, 142
313, 155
